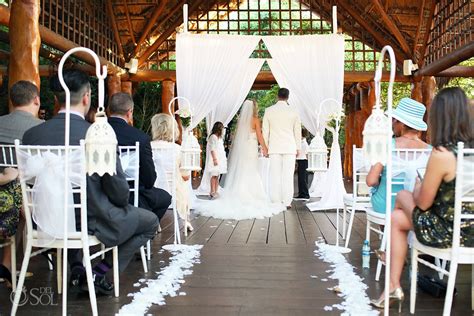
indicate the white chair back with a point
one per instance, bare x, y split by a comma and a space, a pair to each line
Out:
408, 161
25, 155
464, 193
360, 169
7, 156
164, 164
130, 160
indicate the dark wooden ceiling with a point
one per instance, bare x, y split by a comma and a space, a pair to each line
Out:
403, 24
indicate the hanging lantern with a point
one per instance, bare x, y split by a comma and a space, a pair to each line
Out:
375, 137
101, 147
190, 153
101, 142
317, 154
377, 131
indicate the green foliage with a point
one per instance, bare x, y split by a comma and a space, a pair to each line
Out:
400, 90
467, 84
147, 101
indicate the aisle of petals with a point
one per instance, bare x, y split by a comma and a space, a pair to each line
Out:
351, 286
169, 280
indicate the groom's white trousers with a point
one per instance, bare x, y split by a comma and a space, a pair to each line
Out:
282, 168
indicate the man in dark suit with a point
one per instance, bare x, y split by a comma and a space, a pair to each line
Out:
121, 114
110, 217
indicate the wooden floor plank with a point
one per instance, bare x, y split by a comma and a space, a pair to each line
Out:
294, 231
277, 234
223, 232
241, 232
310, 227
259, 233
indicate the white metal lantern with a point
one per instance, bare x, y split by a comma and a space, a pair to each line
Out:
190, 152
375, 137
378, 127
317, 154
101, 147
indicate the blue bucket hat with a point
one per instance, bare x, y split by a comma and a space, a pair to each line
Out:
410, 113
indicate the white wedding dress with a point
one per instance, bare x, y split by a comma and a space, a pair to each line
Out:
244, 195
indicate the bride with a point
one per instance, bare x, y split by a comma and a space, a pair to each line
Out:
244, 195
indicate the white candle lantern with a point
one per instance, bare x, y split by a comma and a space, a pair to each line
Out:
375, 136
190, 152
317, 154
101, 147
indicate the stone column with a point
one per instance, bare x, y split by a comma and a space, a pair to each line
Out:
25, 42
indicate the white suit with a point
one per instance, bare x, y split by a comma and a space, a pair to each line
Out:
282, 134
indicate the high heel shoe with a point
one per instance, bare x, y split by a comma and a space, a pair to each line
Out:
395, 295
6, 275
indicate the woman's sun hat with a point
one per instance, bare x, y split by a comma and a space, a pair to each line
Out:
410, 113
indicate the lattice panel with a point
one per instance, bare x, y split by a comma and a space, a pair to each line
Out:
82, 22
453, 27
267, 17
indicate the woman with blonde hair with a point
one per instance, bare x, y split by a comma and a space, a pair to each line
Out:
166, 156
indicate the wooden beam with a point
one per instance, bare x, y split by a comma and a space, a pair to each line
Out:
130, 25
49, 70
263, 77
363, 23
57, 41
452, 59
457, 71
110, 11
418, 29
392, 27
167, 33
146, 30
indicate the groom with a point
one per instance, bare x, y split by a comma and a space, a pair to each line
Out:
282, 134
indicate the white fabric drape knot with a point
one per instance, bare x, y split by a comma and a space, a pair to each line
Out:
47, 170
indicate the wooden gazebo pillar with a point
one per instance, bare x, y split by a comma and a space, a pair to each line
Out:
25, 46
416, 92
167, 94
428, 88
127, 87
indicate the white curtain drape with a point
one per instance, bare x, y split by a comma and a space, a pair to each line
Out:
312, 68
207, 67
224, 112
332, 192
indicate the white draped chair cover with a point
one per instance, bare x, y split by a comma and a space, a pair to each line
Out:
45, 171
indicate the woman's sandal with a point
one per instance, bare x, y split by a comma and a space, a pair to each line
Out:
6, 275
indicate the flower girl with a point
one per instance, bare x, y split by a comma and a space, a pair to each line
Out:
216, 160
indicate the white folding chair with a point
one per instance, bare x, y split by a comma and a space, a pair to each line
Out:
75, 240
457, 254
403, 158
7, 153
130, 159
359, 200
